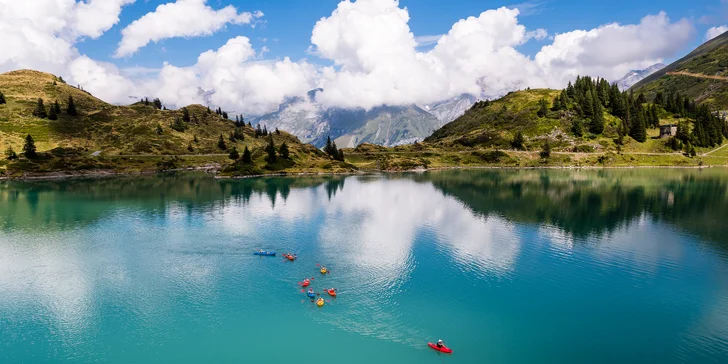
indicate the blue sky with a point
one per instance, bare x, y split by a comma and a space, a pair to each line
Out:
287, 24
362, 54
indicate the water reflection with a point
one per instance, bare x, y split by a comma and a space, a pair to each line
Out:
68, 247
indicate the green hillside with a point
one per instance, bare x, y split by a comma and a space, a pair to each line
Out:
131, 138
702, 76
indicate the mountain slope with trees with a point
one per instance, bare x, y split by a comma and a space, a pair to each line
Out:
710, 59
72, 130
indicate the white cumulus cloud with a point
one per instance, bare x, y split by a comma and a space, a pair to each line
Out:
40, 34
376, 60
184, 18
610, 51
238, 80
715, 31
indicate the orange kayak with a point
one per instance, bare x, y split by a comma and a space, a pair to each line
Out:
332, 292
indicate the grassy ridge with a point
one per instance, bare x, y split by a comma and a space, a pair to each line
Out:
129, 138
710, 59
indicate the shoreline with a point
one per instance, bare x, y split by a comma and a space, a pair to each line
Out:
67, 175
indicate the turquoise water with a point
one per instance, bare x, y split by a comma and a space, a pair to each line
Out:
505, 266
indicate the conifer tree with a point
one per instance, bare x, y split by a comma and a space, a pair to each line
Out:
221, 143
517, 142
278, 132
10, 154
247, 157
545, 150
340, 156
328, 149
29, 147
40, 110
52, 115
178, 125
209, 111
597, 123
283, 151
234, 155
157, 103
577, 128
225, 115
2, 98
543, 108
57, 107
271, 150
265, 131
71, 107
185, 115
637, 130
238, 134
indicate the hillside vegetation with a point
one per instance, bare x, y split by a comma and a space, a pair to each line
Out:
136, 137
693, 76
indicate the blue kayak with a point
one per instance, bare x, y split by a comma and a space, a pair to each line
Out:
311, 294
266, 254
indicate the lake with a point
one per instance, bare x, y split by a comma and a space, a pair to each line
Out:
510, 266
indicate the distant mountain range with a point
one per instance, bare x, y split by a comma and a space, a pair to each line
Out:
383, 125
631, 78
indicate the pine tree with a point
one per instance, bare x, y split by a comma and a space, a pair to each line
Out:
546, 150
209, 111
10, 154
278, 132
340, 156
637, 130
328, 148
224, 115
57, 107
247, 157
71, 107
283, 151
29, 147
238, 134
597, 123
543, 108
157, 103
258, 131
185, 115
2, 98
178, 125
517, 142
234, 155
271, 150
40, 110
577, 128
52, 115
221, 143
265, 131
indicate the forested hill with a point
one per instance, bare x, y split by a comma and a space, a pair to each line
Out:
702, 76
48, 125
589, 114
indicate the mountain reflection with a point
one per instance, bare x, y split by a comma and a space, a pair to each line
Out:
578, 202
595, 202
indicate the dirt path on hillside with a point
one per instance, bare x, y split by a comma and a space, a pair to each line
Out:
697, 75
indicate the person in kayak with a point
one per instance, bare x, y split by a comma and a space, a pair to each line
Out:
440, 344
311, 292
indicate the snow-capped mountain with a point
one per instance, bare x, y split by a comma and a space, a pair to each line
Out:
383, 125
637, 75
448, 110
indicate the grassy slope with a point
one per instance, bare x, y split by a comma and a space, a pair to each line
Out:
482, 137
709, 59
128, 131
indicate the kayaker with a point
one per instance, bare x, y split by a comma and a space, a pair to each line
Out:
440, 344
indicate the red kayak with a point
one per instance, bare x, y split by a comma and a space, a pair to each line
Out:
443, 349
